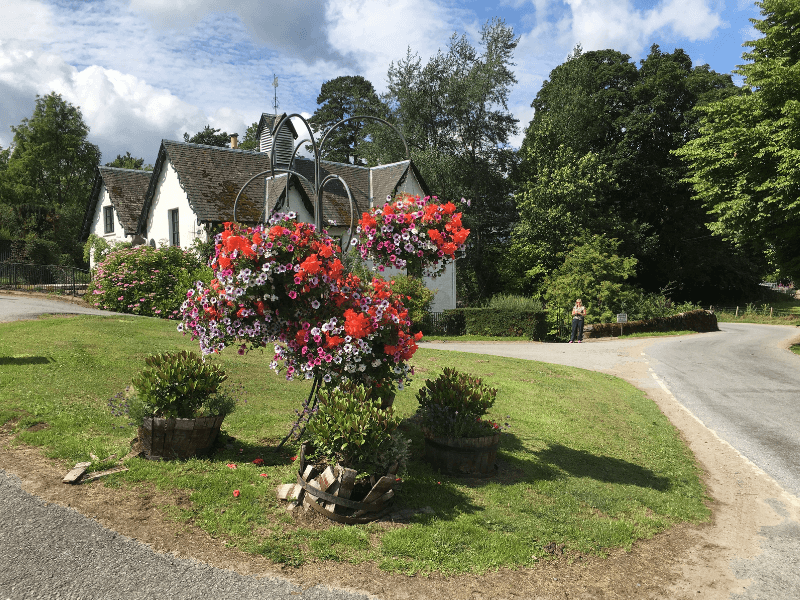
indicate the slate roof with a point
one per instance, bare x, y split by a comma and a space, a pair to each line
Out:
126, 189
211, 176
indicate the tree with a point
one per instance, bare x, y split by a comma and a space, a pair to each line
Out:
250, 140
594, 271
745, 164
129, 162
210, 137
454, 113
48, 179
598, 158
341, 98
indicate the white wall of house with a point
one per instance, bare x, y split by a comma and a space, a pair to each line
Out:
443, 287
168, 196
98, 222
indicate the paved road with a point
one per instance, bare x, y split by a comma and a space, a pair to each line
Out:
743, 385
14, 307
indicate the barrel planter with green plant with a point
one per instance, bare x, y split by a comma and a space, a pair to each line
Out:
348, 469
458, 440
178, 405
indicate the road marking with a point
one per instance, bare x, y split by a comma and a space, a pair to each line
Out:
791, 498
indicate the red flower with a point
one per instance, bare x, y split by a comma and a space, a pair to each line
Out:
231, 466
258, 461
236, 493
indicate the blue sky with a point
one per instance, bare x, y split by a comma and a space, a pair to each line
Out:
143, 70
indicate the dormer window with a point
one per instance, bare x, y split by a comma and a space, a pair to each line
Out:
108, 219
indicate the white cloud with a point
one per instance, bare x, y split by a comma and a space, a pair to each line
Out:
297, 28
598, 24
375, 34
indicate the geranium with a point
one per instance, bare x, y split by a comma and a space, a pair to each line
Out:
411, 229
283, 284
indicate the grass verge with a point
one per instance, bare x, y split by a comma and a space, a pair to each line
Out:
589, 462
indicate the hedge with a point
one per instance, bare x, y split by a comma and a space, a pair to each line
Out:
695, 320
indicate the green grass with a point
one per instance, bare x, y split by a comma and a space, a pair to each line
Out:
589, 462
795, 348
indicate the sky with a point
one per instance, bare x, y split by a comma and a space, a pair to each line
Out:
146, 70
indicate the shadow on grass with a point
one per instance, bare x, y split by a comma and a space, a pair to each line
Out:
580, 463
24, 360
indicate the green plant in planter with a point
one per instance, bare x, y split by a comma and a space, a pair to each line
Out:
179, 385
454, 404
350, 429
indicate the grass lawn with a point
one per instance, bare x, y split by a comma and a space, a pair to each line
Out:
589, 462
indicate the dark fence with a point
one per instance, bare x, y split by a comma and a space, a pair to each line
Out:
440, 323
44, 278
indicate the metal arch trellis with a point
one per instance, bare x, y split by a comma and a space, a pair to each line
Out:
318, 187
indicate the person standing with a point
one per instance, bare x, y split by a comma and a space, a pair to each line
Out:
578, 313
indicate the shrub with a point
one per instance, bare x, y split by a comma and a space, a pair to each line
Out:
416, 298
518, 303
145, 280
349, 429
452, 405
179, 385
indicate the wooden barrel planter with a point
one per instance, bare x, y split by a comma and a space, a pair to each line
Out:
178, 438
465, 457
333, 492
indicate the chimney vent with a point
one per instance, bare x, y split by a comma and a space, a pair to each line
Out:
235, 140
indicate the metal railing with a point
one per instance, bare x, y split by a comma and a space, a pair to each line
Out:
44, 278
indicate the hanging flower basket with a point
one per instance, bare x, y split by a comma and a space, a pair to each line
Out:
412, 230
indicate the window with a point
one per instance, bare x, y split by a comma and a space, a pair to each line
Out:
174, 228
108, 218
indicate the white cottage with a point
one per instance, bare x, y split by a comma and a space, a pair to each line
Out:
115, 205
193, 188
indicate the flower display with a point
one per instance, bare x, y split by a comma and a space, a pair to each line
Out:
283, 283
411, 229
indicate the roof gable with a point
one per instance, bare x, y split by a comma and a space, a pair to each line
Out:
126, 190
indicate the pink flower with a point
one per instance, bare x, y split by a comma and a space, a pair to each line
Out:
231, 466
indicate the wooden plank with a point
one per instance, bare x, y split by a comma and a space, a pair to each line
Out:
100, 474
384, 484
326, 479
378, 504
76, 472
289, 491
347, 480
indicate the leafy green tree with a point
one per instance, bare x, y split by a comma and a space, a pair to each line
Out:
250, 140
48, 179
594, 271
453, 111
210, 137
341, 98
129, 162
598, 157
745, 164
